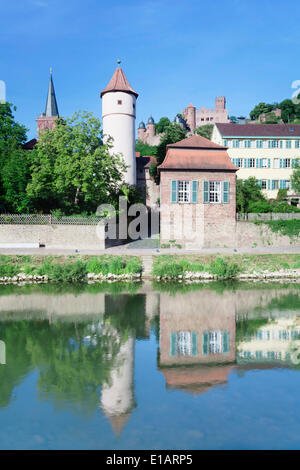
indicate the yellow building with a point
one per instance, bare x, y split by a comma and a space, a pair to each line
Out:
268, 152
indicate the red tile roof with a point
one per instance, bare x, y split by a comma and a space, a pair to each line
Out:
196, 141
186, 159
259, 130
119, 82
145, 161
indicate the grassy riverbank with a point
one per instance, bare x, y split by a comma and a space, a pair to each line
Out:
68, 268
223, 266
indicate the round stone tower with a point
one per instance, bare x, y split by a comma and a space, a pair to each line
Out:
118, 115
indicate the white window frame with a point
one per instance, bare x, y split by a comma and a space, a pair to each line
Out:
251, 162
287, 163
184, 343
262, 183
264, 163
276, 163
214, 192
184, 191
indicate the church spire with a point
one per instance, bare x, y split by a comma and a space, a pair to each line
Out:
51, 104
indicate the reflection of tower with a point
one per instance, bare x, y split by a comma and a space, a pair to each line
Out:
47, 119
118, 114
117, 397
2, 353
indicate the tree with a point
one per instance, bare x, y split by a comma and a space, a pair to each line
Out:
12, 137
205, 131
145, 149
295, 179
248, 192
287, 110
261, 108
72, 168
162, 124
173, 133
16, 174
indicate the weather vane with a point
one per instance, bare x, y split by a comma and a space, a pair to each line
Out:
118, 61
50, 69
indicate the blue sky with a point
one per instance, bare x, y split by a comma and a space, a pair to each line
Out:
173, 53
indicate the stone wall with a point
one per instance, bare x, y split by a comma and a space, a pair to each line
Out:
55, 236
250, 235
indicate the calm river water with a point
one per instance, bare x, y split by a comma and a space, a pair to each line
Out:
206, 366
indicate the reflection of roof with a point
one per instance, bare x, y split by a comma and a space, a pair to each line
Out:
119, 82
196, 379
118, 422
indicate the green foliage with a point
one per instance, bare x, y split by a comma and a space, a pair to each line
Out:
170, 269
114, 265
8, 270
290, 111
262, 108
224, 269
162, 124
14, 162
205, 131
248, 191
173, 133
295, 179
72, 168
291, 228
69, 272
145, 149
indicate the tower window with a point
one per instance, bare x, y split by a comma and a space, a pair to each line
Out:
133, 106
119, 101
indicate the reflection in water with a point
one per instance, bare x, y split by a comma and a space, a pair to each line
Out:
83, 344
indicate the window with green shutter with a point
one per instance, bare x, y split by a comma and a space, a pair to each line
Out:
194, 192
174, 185
173, 344
225, 191
205, 191
225, 342
194, 343
205, 343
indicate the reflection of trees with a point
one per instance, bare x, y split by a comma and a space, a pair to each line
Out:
73, 359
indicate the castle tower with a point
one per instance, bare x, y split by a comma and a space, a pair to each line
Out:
151, 127
47, 119
189, 115
220, 103
142, 131
118, 115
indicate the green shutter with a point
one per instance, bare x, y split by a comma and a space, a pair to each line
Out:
270, 144
173, 344
269, 184
260, 182
281, 163
225, 345
269, 163
194, 343
225, 191
174, 185
282, 184
205, 343
273, 184
205, 191
257, 163
194, 191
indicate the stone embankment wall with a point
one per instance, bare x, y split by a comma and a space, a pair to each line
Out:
55, 236
250, 235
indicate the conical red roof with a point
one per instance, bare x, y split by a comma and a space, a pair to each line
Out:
119, 82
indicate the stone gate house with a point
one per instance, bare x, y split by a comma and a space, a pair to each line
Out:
197, 194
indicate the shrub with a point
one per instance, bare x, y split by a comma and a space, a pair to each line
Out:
9, 270
224, 269
170, 269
